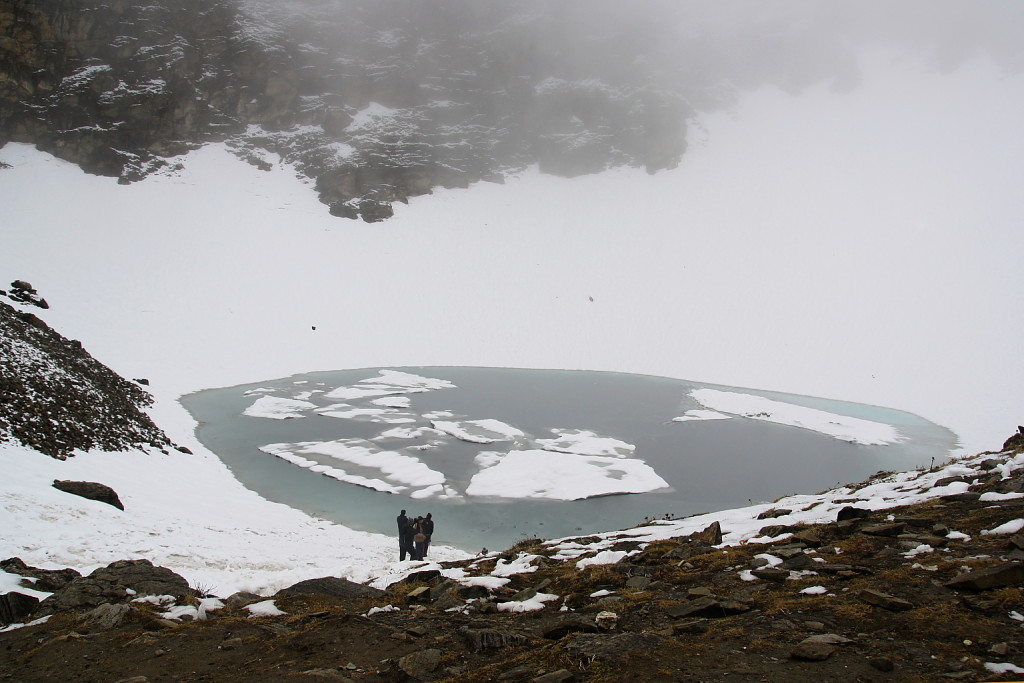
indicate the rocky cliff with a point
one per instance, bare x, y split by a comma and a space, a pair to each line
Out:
375, 101
56, 398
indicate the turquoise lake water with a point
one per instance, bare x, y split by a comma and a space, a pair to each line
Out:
708, 465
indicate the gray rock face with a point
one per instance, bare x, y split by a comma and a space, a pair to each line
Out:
91, 490
113, 583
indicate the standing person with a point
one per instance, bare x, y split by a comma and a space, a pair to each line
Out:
403, 546
408, 538
428, 531
420, 539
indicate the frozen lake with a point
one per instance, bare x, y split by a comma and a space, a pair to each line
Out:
497, 455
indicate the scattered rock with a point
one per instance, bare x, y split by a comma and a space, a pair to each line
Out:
241, 598
420, 665
638, 582
566, 626
889, 530
774, 512
771, 574
997, 576
801, 561
883, 664
813, 651
774, 530
707, 607
480, 639
712, 535
424, 576
560, 676
812, 537
850, 512
880, 599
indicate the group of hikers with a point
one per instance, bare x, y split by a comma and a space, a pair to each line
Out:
414, 536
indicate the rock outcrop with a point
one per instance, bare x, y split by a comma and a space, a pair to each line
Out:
118, 582
56, 398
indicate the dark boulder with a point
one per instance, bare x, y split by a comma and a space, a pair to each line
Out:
712, 535
117, 582
332, 586
91, 490
14, 607
851, 512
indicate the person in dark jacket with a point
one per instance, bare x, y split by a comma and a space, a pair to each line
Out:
411, 529
428, 531
403, 536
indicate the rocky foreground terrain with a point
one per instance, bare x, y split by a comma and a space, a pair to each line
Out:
917, 593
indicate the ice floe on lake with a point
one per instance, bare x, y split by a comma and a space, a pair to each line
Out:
560, 476
842, 427
585, 442
278, 408
478, 431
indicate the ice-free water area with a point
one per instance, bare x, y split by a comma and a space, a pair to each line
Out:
709, 465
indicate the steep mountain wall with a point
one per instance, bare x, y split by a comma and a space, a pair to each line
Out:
376, 101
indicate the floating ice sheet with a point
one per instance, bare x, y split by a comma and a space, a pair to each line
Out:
842, 427
277, 408
560, 476
584, 442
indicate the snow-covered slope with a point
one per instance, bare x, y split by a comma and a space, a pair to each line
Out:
861, 246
